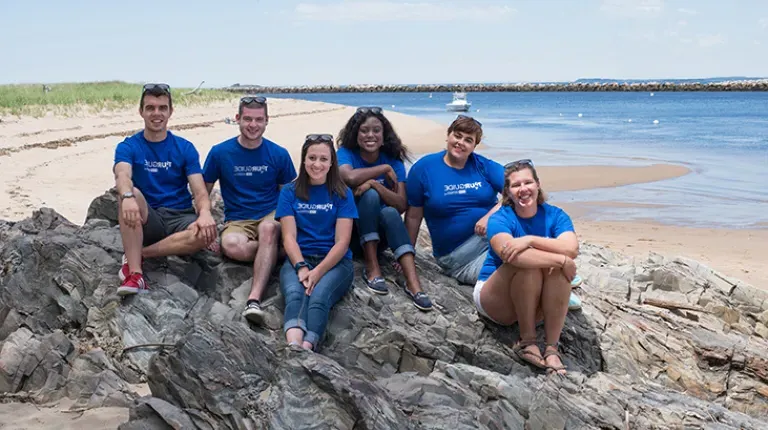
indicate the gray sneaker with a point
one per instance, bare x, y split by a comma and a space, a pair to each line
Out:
253, 312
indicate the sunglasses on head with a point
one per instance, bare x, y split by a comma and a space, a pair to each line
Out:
312, 138
253, 99
157, 87
365, 109
469, 117
523, 162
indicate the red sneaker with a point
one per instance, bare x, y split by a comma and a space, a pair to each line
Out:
125, 270
133, 284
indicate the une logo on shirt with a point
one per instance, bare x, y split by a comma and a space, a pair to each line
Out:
155, 166
250, 170
306, 208
462, 188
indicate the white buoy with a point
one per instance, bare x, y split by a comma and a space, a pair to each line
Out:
477, 110
561, 114
651, 94
393, 106
655, 121
579, 115
629, 120
430, 95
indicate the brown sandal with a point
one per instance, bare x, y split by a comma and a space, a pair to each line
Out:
525, 354
553, 369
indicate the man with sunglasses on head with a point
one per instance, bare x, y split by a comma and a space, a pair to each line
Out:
153, 169
251, 170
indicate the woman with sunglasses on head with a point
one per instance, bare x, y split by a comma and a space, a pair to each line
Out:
455, 190
371, 158
529, 268
316, 214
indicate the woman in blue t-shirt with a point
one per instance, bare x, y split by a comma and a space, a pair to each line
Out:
316, 214
526, 276
371, 158
455, 190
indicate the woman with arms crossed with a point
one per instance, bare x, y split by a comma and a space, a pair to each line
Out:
371, 158
527, 274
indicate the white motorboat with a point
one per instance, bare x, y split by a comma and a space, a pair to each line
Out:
459, 103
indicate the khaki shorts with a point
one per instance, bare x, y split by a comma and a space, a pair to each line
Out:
248, 227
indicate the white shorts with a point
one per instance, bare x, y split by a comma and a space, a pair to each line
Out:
478, 305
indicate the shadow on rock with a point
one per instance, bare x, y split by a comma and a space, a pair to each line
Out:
662, 343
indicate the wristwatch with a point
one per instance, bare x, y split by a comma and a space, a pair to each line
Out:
299, 265
128, 195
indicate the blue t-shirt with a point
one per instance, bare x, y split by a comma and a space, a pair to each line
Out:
453, 200
249, 177
160, 169
549, 221
353, 158
316, 218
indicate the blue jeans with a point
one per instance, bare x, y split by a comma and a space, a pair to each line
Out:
464, 262
310, 313
375, 218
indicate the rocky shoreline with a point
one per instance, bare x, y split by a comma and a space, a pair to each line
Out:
750, 85
660, 343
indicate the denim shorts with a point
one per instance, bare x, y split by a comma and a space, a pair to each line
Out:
464, 262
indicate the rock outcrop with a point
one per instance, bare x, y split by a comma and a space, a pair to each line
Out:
660, 343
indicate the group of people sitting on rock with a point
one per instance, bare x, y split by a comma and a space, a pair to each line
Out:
516, 250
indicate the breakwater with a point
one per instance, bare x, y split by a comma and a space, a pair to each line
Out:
756, 85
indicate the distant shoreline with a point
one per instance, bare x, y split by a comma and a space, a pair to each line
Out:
601, 86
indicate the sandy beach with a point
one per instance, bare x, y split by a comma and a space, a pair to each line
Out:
64, 162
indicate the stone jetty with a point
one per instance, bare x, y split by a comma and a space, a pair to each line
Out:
577, 86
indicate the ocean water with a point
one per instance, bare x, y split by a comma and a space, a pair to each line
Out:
722, 137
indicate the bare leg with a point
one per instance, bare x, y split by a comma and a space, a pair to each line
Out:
236, 246
133, 237
266, 257
500, 302
554, 298
294, 335
408, 264
181, 243
370, 252
526, 296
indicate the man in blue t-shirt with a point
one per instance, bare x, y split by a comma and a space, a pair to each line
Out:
251, 170
152, 171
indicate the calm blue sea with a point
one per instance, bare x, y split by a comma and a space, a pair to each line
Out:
723, 137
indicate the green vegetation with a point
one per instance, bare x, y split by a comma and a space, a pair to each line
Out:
33, 99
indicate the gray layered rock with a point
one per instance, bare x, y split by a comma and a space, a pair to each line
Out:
660, 343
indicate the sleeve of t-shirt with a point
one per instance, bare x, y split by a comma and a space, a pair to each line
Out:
211, 166
347, 207
124, 153
191, 160
562, 223
285, 203
414, 186
495, 173
399, 169
287, 171
500, 222
345, 156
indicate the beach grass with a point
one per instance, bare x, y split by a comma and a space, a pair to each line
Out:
66, 98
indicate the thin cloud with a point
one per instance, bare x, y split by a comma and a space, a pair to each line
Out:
687, 11
402, 11
710, 40
763, 22
632, 8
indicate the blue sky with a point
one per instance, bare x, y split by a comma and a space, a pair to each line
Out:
295, 42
